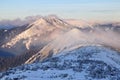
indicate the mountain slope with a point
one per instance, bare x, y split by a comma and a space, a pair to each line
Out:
85, 63
61, 43
8, 34
75, 38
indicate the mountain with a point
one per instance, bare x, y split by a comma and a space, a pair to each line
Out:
53, 48
84, 63
109, 26
21, 43
38, 33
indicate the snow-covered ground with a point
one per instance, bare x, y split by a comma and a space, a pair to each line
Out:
85, 63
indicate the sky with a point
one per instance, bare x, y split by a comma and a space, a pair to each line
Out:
105, 10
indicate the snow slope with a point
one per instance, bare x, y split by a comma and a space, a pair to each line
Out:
85, 63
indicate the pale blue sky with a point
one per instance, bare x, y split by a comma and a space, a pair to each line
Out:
108, 10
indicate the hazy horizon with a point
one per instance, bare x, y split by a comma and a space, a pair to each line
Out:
102, 10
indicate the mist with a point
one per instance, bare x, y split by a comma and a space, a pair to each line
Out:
103, 36
8, 24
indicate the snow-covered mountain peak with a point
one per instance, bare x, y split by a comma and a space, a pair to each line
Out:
51, 21
40, 31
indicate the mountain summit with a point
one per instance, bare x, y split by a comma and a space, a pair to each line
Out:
51, 20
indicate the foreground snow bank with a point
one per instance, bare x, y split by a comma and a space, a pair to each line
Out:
91, 62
